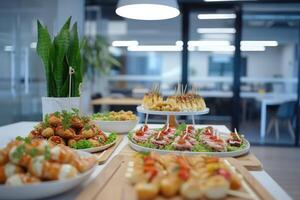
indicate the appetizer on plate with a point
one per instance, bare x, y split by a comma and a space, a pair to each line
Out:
71, 129
27, 161
182, 100
198, 177
187, 138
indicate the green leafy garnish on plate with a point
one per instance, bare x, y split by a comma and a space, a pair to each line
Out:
111, 138
82, 144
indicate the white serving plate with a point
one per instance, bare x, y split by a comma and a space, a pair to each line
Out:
141, 109
44, 189
97, 149
117, 126
139, 148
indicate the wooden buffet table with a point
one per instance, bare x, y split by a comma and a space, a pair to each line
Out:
10, 132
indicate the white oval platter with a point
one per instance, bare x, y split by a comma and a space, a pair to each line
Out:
237, 153
141, 109
44, 189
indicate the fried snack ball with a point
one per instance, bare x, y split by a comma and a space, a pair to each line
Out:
47, 132
88, 133
76, 122
56, 140
54, 120
68, 133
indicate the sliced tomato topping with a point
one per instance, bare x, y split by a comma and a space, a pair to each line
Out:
184, 174
225, 173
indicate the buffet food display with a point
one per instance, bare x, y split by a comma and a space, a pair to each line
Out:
198, 177
32, 161
185, 138
73, 130
181, 101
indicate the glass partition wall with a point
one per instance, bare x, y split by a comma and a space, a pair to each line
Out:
149, 53
269, 84
211, 61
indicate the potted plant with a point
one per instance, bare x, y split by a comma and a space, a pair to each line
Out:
62, 62
97, 58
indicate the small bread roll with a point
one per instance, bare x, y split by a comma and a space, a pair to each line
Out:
216, 187
146, 191
191, 190
169, 186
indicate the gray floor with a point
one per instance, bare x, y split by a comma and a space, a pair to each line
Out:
283, 164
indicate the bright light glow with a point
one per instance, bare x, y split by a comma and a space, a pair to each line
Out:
260, 43
125, 43
253, 48
155, 48
33, 45
217, 16
226, 48
179, 43
208, 42
216, 30
8, 48
148, 9
221, 0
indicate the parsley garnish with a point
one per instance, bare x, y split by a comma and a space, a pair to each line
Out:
47, 153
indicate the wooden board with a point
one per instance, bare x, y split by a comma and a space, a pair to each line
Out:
103, 156
249, 161
112, 184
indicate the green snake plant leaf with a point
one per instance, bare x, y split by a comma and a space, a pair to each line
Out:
74, 60
43, 50
57, 55
61, 45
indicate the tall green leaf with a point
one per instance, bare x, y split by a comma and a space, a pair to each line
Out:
43, 50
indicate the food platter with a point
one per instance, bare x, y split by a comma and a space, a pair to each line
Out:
237, 153
141, 109
187, 140
48, 188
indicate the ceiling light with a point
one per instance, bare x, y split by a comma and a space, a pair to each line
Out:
216, 30
155, 48
260, 43
8, 48
208, 42
148, 9
217, 16
125, 43
222, 0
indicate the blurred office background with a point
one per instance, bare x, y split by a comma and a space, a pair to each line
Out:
267, 84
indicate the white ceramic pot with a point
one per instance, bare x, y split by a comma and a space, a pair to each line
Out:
54, 104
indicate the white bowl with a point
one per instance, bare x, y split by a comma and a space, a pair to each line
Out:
117, 126
44, 189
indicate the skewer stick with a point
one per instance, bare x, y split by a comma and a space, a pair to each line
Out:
193, 119
168, 119
146, 119
236, 133
185, 89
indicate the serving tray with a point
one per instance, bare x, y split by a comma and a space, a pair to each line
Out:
111, 183
249, 160
141, 109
